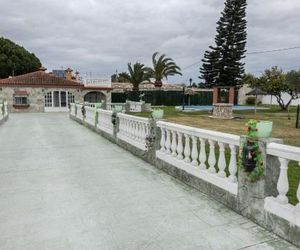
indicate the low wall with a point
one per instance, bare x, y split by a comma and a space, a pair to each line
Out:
208, 161
3, 112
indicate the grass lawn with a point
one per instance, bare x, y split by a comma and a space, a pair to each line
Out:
282, 128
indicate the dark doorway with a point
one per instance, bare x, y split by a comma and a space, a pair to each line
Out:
94, 97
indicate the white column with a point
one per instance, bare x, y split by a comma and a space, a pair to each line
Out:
174, 144
283, 182
212, 157
162, 140
187, 149
232, 164
202, 155
179, 146
168, 141
194, 151
222, 161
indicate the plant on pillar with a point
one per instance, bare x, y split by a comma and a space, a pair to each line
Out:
250, 158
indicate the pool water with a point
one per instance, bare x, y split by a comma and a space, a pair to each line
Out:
209, 107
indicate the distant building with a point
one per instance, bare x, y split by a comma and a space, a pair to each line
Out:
46, 92
59, 72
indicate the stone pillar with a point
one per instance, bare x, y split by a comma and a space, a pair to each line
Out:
251, 195
231, 96
215, 95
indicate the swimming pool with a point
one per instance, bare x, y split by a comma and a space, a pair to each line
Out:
209, 107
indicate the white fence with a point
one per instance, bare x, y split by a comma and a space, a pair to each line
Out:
111, 106
72, 109
279, 205
133, 130
194, 150
3, 110
90, 115
105, 121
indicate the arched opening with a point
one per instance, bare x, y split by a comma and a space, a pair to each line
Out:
94, 96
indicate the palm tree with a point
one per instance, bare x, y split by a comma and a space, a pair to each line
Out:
138, 73
162, 68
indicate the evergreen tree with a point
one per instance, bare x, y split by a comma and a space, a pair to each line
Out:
15, 60
222, 64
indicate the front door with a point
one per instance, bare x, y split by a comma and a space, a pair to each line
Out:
58, 100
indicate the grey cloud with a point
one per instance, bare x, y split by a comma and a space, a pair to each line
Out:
101, 36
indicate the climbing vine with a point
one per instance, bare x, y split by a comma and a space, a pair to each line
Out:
255, 153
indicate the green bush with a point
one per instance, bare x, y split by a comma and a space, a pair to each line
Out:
250, 100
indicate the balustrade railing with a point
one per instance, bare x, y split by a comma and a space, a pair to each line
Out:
194, 150
79, 114
111, 106
135, 106
3, 110
105, 121
72, 109
90, 115
133, 130
280, 205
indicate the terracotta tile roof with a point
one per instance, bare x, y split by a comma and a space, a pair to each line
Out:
39, 78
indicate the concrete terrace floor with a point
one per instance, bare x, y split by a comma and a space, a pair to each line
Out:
64, 187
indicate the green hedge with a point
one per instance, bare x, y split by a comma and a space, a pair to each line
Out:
167, 98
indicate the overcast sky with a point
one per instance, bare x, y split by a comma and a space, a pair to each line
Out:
100, 36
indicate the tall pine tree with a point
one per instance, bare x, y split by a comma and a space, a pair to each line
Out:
222, 64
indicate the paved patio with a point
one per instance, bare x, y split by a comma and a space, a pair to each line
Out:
64, 187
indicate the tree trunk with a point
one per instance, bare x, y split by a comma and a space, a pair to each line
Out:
158, 83
135, 87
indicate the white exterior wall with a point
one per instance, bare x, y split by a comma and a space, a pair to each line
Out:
268, 99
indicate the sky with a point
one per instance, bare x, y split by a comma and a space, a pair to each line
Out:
98, 37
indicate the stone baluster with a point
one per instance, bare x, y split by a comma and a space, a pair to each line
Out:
187, 149
212, 157
221, 161
168, 141
202, 155
162, 140
174, 144
179, 146
283, 183
194, 151
133, 129
298, 196
232, 164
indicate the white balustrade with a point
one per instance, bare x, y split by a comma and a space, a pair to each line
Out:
111, 106
79, 111
90, 115
196, 149
105, 121
72, 109
134, 130
279, 205
3, 111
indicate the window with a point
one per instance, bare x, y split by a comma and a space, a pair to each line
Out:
21, 100
71, 98
63, 99
48, 99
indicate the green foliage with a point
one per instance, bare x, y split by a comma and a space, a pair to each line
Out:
163, 67
166, 98
250, 100
15, 60
251, 136
222, 64
122, 77
138, 73
275, 82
